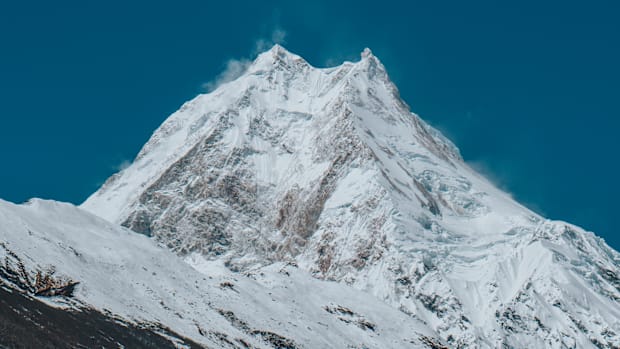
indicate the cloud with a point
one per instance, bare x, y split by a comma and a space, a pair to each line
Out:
494, 176
278, 36
234, 68
501, 176
122, 165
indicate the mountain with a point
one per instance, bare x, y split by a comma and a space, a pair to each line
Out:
329, 169
303, 207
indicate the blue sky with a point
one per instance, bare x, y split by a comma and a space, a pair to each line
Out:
528, 90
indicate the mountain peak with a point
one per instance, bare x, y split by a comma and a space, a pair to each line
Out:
278, 49
330, 170
276, 56
367, 53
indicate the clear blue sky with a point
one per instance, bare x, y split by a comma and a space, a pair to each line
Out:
528, 90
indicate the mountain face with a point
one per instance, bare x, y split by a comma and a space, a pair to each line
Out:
329, 170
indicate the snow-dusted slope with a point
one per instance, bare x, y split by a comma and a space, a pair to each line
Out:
329, 168
128, 275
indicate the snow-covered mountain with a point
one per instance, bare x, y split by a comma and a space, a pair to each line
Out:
311, 209
329, 169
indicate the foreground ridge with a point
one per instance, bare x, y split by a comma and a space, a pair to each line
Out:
133, 293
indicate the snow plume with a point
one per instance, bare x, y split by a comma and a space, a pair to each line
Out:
493, 175
118, 166
277, 36
234, 68
500, 176
122, 165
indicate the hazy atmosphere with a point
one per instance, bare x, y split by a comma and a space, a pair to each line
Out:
528, 91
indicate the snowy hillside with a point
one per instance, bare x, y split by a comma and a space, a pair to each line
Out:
127, 275
329, 169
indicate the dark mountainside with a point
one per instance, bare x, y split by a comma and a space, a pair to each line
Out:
26, 322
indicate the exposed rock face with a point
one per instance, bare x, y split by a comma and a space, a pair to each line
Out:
328, 168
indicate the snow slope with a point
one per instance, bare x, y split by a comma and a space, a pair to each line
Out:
128, 275
329, 169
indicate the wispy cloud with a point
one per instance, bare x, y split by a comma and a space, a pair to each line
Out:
122, 165
501, 176
498, 179
278, 36
235, 67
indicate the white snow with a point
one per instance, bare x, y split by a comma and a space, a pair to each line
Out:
128, 275
328, 168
